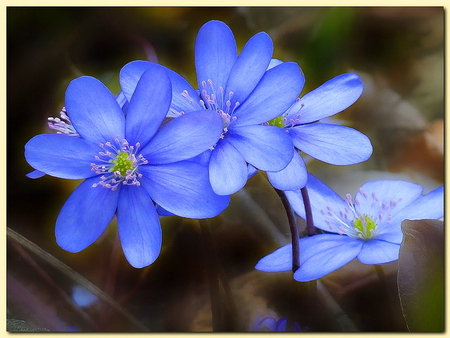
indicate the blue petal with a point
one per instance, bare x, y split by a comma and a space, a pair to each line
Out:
323, 201
94, 111
330, 98
61, 155
267, 148
378, 252
35, 174
373, 194
132, 72
227, 169
293, 177
275, 93
249, 67
85, 216
215, 54
274, 63
331, 143
277, 261
323, 254
139, 228
148, 106
184, 137
183, 189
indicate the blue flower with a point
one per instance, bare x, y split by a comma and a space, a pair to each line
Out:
329, 143
242, 93
129, 163
367, 228
271, 324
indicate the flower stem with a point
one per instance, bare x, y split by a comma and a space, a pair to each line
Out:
293, 228
309, 218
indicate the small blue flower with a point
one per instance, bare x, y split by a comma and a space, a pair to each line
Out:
329, 143
271, 324
129, 164
242, 93
367, 228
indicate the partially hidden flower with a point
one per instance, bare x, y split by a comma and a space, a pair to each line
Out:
367, 227
129, 164
330, 143
271, 324
242, 93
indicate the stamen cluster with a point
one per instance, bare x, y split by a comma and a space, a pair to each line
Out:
62, 125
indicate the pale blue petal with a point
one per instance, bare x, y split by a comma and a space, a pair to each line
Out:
331, 143
323, 254
184, 137
249, 67
132, 72
378, 252
139, 228
324, 204
330, 98
293, 177
94, 111
277, 261
275, 93
392, 193
227, 169
267, 148
85, 216
183, 189
35, 174
274, 63
61, 155
148, 106
215, 54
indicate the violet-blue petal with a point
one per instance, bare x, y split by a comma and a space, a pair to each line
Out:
332, 143
148, 106
293, 177
183, 189
378, 252
139, 228
184, 137
386, 192
323, 200
330, 98
215, 54
267, 148
249, 67
61, 155
325, 253
85, 216
35, 174
227, 169
275, 93
277, 261
94, 111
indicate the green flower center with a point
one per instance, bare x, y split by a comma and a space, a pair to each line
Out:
277, 122
122, 163
364, 226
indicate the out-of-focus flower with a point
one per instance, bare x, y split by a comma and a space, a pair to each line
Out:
367, 228
329, 143
271, 324
129, 164
82, 296
242, 93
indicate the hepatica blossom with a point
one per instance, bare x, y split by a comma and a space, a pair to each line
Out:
327, 142
271, 324
367, 227
240, 92
129, 164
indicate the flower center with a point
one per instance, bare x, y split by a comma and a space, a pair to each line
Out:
118, 165
277, 122
364, 226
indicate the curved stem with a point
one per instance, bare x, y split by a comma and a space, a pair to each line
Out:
293, 228
309, 218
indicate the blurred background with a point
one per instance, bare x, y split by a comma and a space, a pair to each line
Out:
398, 53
